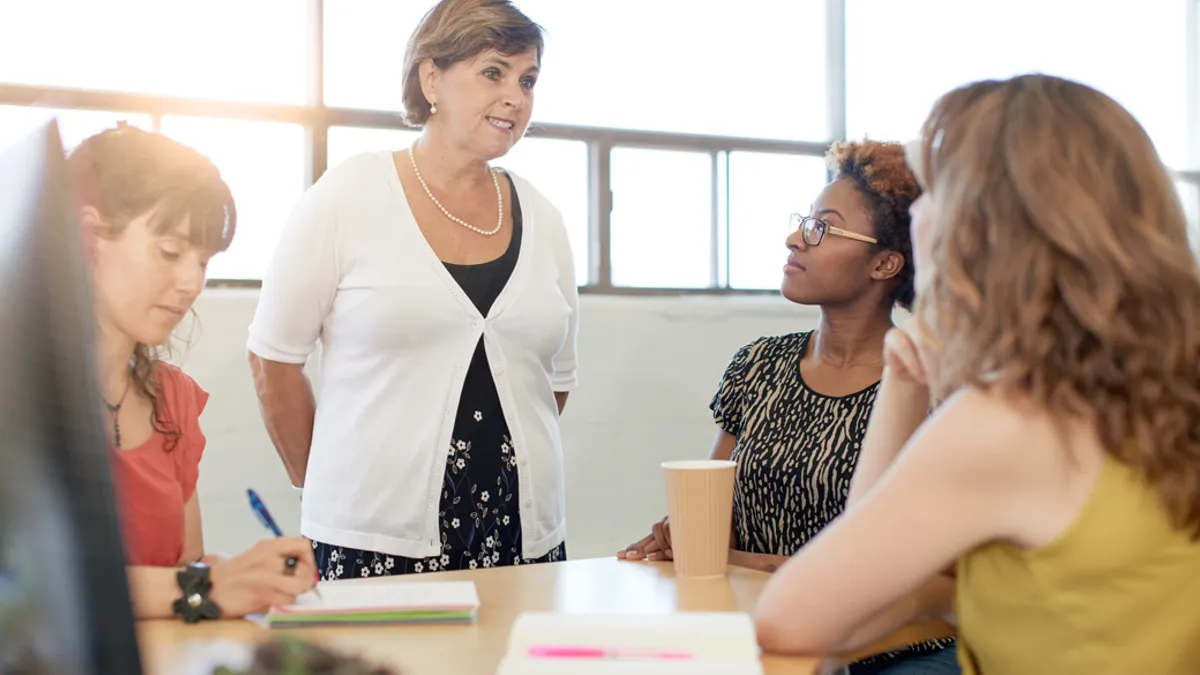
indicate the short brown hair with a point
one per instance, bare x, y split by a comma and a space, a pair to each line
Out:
879, 170
127, 172
457, 30
1063, 271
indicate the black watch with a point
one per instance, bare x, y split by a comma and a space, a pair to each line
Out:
195, 604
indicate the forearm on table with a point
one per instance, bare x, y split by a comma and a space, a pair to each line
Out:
932, 600
152, 591
288, 409
763, 562
900, 408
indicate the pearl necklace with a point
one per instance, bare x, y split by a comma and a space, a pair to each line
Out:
460, 221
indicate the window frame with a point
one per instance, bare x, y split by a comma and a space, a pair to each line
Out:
317, 118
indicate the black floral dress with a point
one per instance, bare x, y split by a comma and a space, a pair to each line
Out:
479, 512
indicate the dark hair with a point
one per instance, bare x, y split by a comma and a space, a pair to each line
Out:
457, 30
882, 175
127, 172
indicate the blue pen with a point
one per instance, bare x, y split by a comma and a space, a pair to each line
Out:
264, 517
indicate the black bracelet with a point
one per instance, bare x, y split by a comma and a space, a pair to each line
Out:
195, 604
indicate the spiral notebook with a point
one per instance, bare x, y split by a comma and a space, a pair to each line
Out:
382, 601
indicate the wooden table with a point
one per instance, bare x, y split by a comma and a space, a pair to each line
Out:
596, 586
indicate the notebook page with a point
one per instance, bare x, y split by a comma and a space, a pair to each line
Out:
703, 635
512, 666
351, 596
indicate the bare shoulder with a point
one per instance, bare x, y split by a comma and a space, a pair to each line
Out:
1010, 423
1032, 466
986, 439
985, 425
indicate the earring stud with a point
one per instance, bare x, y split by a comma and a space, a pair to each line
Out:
432, 108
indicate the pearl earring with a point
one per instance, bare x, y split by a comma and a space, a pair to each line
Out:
432, 108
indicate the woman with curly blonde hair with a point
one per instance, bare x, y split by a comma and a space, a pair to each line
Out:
1058, 332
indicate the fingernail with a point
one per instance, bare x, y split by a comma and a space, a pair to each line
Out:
668, 552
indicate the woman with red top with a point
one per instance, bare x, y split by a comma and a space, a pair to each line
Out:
153, 213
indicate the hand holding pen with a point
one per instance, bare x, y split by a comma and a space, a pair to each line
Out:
261, 578
291, 562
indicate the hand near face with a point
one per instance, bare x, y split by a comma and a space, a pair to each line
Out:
902, 358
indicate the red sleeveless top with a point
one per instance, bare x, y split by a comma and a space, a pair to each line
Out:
152, 482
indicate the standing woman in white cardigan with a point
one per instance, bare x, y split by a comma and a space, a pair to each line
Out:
443, 297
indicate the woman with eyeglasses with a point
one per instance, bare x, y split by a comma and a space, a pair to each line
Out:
792, 410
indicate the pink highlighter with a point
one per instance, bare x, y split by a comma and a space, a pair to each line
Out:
589, 652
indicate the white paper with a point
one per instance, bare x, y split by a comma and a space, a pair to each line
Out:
512, 666
703, 635
382, 595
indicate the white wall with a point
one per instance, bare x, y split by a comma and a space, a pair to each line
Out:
648, 367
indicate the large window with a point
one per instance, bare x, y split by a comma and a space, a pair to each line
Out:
1189, 194
901, 56
73, 125
664, 65
764, 190
673, 65
675, 139
364, 51
662, 218
559, 170
219, 49
263, 162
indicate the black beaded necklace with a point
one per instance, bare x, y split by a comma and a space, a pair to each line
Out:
115, 411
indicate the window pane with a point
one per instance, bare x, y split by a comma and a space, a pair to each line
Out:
364, 51
661, 218
1134, 53
651, 80
264, 164
229, 49
764, 189
1189, 194
666, 65
345, 142
559, 170
73, 125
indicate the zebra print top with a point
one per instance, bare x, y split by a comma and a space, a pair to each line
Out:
796, 450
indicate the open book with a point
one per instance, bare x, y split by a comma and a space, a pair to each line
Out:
688, 643
379, 602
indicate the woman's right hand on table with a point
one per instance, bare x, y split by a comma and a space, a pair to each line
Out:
260, 578
654, 546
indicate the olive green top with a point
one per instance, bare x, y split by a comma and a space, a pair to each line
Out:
1117, 592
